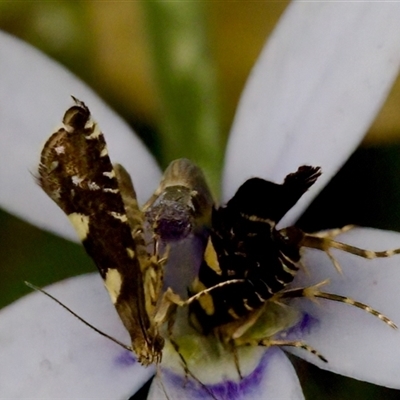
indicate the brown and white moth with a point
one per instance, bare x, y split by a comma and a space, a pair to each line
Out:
99, 199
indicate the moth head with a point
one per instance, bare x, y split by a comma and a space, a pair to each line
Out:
77, 116
172, 214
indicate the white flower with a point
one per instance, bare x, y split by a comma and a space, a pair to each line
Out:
316, 88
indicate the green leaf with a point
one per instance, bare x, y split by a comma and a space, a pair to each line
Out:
186, 75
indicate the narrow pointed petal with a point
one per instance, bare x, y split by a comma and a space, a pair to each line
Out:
273, 378
34, 94
356, 343
47, 353
316, 88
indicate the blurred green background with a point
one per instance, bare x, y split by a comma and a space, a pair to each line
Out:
144, 58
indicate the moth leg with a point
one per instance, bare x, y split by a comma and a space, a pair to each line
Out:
332, 233
324, 241
167, 308
171, 300
187, 371
166, 312
236, 360
205, 292
183, 361
313, 292
160, 381
352, 302
268, 342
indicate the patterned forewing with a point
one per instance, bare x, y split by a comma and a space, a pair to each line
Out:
76, 172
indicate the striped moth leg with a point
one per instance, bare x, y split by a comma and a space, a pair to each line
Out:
325, 241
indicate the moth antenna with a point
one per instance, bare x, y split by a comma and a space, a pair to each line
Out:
38, 289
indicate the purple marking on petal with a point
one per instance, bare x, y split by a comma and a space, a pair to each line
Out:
232, 390
125, 359
306, 324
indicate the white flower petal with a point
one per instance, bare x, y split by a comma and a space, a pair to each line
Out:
34, 94
273, 378
314, 91
356, 343
47, 353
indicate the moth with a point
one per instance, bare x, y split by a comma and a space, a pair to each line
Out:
100, 201
246, 248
